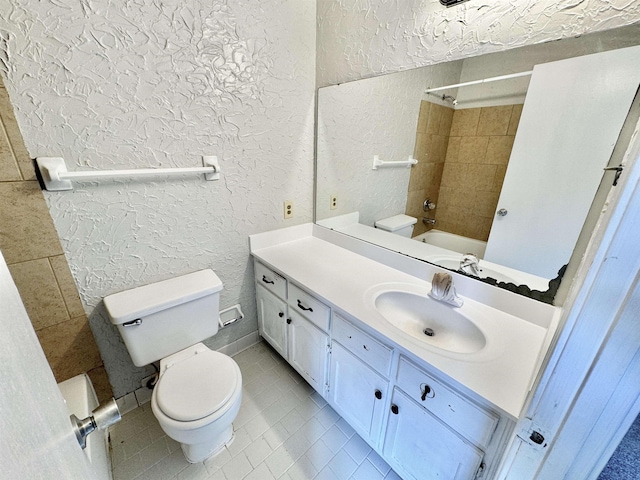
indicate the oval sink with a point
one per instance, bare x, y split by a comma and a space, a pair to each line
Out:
435, 323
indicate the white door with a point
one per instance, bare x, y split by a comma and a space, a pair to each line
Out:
357, 393
272, 313
571, 119
308, 350
420, 446
36, 439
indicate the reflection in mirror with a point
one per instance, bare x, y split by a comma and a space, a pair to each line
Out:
481, 155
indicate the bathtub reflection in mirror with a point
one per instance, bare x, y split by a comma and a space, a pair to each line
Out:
463, 152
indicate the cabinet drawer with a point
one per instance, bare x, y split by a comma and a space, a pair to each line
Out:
309, 306
270, 280
468, 419
362, 345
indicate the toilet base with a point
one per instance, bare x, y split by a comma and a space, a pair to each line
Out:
199, 452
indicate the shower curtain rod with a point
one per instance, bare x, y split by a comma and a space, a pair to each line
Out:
476, 82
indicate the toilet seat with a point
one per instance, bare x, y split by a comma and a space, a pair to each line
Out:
196, 383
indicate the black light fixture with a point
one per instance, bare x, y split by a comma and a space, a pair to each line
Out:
452, 3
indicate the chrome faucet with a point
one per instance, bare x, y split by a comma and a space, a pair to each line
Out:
443, 290
470, 264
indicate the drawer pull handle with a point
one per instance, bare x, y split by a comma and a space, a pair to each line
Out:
394, 409
288, 321
281, 314
427, 392
307, 309
378, 394
266, 280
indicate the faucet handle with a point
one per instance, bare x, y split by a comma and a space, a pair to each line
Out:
442, 289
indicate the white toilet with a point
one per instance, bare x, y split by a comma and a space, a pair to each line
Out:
199, 391
398, 225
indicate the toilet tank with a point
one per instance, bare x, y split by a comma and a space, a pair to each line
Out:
162, 318
398, 225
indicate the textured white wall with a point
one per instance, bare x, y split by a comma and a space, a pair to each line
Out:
145, 84
357, 120
362, 38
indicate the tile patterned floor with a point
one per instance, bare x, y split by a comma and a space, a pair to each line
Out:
284, 430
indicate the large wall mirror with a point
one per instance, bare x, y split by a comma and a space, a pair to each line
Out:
506, 170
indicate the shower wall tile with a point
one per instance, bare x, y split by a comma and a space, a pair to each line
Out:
499, 149
26, 228
9, 170
515, 119
494, 120
67, 285
39, 292
101, 385
465, 122
14, 136
477, 156
432, 143
70, 347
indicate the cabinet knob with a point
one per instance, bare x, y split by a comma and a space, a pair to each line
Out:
288, 321
378, 394
281, 314
394, 409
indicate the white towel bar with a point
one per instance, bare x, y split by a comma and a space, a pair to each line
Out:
55, 176
403, 163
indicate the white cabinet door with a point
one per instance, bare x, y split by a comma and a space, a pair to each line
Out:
417, 445
357, 393
307, 350
272, 314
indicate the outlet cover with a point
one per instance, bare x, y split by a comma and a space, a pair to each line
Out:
334, 202
288, 209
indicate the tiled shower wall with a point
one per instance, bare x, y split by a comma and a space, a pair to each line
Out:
432, 138
31, 247
465, 177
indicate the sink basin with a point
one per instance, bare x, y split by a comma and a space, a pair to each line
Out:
437, 324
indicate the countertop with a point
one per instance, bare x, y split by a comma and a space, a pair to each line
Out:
502, 373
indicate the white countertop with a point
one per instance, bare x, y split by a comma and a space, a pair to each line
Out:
502, 373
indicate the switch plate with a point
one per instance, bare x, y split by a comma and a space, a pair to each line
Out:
334, 202
288, 209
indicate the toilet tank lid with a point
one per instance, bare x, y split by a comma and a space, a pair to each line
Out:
141, 301
396, 222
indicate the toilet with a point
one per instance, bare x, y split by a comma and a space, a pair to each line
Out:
198, 393
398, 225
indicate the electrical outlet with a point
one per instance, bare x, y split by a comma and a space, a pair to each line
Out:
334, 202
288, 209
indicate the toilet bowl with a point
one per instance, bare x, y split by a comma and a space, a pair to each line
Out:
196, 399
198, 393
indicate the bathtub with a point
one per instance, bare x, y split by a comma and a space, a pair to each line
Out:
81, 400
454, 242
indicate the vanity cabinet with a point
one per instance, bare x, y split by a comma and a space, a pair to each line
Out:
422, 426
294, 323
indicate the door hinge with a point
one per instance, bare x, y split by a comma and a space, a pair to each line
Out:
480, 471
